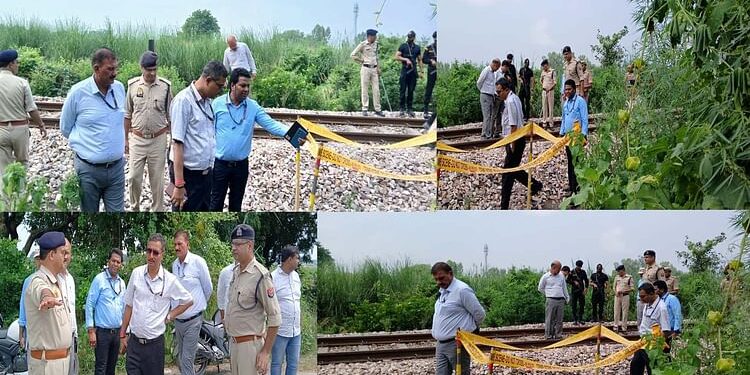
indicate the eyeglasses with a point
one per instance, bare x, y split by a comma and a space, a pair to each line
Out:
240, 243
153, 252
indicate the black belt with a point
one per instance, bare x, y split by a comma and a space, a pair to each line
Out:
231, 163
99, 165
447, 340
369, 66
556, 298
146, 341
190, 318
109, 330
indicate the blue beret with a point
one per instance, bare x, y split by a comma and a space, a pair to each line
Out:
243, 232
149, 59
8, 55
51, 241
372, 32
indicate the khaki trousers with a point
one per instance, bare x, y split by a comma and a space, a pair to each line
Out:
369, 77
243, 356
548, 106
14, 146
53, 367
622, 304
154, 153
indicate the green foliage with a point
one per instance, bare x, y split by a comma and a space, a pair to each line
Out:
702, 257
201, 22
70, 199
20, 194
609, 51
15, 269
285, 89
456, 94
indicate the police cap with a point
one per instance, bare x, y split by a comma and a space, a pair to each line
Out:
243, 232
8, 56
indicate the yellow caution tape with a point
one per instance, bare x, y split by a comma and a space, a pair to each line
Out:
450, 164
524, 131
509, 360
420, 140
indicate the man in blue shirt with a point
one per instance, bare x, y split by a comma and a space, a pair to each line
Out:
456, 308
92, 120
104, 308
574, 111
22, 309
236, 115
674, 308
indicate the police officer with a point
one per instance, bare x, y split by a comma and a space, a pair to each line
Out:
652, 271
366, 54
623, 286
48, 323
253, 316
408, 54
429, 57
573, 69
599, 282
673, 283
147, 119
15, 103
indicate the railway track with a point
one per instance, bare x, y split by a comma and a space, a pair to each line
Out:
425, 351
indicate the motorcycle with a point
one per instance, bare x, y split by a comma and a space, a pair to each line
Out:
213, 346
12, 357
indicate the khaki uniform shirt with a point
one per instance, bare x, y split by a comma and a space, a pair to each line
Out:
47, 329
251, 301
367, 52
623, 283
548, 79
16, 100
654, 272
573, 70
587, 78
147, 106
673, 284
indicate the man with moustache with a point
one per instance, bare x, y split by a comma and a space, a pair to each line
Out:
104, 308
253, 316
92, 121
69, 297
552, 286
150, 291
366, 54
191, 159
575, 118
49, 331
236, 116
457, 307
147, 119
192, 272
655, 313
288, 286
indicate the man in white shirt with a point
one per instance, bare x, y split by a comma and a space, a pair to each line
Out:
222, 288
289, 292
69, 298
238, 55
552, 285
486, 87
192, 272
150, 291
655, 317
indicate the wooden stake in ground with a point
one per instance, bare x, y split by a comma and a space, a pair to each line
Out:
297, 189
598, 356
531, 157
316, 172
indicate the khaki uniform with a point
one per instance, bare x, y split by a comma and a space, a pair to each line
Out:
147, 106
654, 272
548, 95
368, 73
588, 81
574, 71
673, 284
622, 284
251, 307
16, 102
47, 330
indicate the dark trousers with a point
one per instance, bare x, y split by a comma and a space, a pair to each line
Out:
197, 189
572, 180
639, 363
407, 84
145, 359
498, 126
231, 175
107, 349
513, 159
431, 79
525, 96
578, 300
597, 307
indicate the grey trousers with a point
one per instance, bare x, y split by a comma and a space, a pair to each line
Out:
445, 359
487, 102
73, 356
101, 183
553, 317
639, 311
186, 335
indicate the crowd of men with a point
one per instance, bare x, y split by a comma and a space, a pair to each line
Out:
202, 136
413, 61
504, 111
260, 310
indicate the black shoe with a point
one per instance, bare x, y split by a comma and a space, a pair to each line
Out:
402, 114
410, 113
425, 114
364, 113
379, 114
536, 187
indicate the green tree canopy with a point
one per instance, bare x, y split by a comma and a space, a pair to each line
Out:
201, 22
609, 51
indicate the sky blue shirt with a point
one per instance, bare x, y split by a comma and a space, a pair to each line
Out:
105, 303
22, 308
675, 311
234, 141
457, 307
575, 110
94, 128
194, 276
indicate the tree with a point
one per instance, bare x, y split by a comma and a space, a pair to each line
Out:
201, 22
320, 33
324, 255
609, 51
702, 257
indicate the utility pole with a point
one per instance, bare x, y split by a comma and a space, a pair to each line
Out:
356, 15
486, 250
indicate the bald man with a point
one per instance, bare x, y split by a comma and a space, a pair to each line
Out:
552, 285
238, 55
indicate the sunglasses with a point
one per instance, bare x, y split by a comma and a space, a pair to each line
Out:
153, 252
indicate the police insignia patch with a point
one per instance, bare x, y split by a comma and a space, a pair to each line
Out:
270, 292
139, 93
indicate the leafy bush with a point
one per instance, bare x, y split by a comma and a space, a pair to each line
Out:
11, 282
285, 89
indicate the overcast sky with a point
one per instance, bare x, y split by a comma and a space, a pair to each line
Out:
518, 238
479, 30
397, 17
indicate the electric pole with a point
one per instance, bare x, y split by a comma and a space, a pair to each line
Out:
356, 15
486, 250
